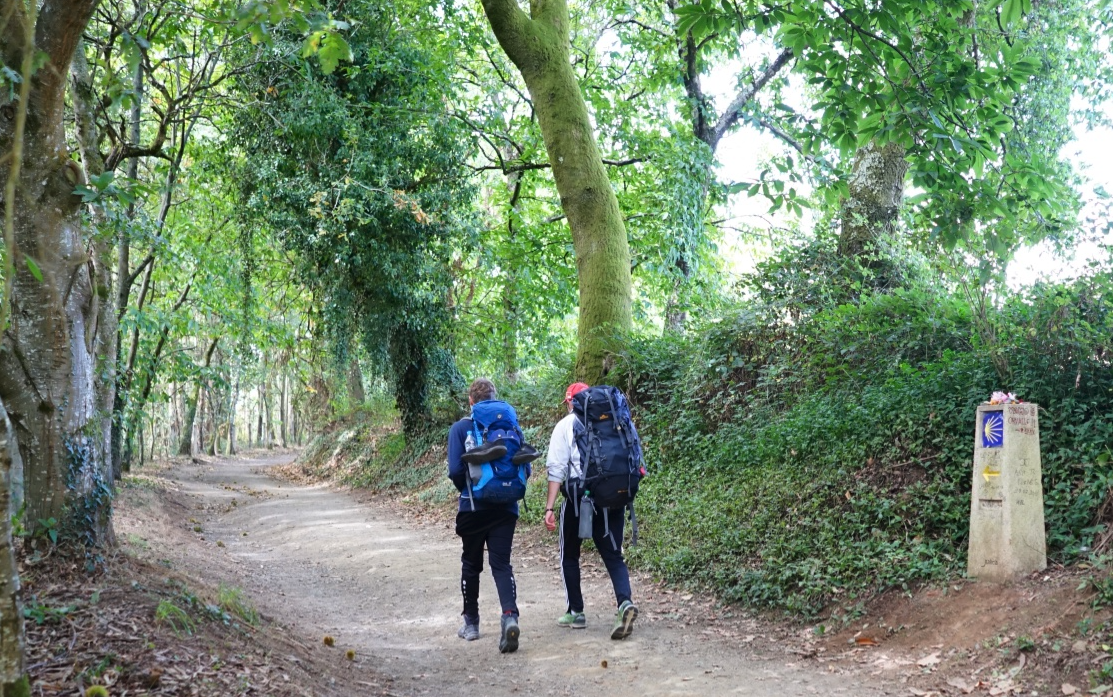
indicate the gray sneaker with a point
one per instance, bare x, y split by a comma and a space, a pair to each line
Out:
508, 640
469, 632
624, 620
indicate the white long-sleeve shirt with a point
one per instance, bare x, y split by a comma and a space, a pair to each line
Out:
563, 460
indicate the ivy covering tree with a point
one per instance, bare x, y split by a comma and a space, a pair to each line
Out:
359, 172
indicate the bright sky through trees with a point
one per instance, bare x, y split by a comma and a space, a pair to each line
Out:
745, 152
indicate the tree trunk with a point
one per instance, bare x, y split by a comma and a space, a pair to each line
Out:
538, 45
356, 393
188, 443
876, 189
234, 397
269, 433
198, 438
12, 678
283, 403
185, 446
410, 367
83, 99
214, 422
259, 427
49, 353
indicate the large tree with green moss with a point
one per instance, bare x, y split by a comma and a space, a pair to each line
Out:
538, 45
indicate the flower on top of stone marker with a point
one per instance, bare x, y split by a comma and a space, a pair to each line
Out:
1003, 398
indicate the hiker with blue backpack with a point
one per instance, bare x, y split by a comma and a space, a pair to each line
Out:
488, 462
595, 461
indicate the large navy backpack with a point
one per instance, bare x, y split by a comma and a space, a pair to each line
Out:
498, 480
610, 450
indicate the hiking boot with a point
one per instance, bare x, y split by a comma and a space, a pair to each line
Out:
508, 641
492, 450
624, 620
575, 620
469, 632
525, 455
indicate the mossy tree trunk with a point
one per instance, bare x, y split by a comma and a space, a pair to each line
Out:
538, 45
409, 363
49, 353
12, 678
876, 189
356, 394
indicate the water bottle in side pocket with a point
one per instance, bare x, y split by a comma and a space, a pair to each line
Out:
587, 514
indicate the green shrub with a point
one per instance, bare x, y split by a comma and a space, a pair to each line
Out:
808, 459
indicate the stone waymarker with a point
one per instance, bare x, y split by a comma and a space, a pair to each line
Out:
1006, 508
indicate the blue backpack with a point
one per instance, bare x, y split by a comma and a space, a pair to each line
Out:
498, 481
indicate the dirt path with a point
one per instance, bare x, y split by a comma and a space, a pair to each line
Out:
324, 563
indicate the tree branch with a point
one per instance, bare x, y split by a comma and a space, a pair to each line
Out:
57, 33
527, 166
512, 29
784, 136
84, 112
730, 116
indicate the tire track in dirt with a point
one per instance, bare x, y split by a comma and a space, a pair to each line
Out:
324, 563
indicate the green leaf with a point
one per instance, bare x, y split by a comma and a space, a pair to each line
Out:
1013, 10
33, 268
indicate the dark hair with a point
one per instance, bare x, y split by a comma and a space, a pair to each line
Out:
481, 390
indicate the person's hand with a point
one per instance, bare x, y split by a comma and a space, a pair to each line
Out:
550, 520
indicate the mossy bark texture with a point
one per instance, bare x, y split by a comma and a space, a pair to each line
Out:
11, 619
356, 394
538, 45
19, 688
876, 189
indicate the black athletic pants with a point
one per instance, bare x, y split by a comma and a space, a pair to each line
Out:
495, 531
609, 546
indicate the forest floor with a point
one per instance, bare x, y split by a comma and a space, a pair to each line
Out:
380, 577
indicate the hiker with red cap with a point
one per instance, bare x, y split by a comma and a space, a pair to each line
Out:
580, 517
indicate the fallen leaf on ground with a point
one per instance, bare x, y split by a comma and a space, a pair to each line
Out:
864, 641
961, 685
929, 660
1069, 689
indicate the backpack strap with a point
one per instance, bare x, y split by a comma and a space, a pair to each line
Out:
614, 414
471, 494
633, 525
467, 470
589, 435
475, 431
607, 528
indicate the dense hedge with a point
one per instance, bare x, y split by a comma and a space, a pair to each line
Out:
803, 457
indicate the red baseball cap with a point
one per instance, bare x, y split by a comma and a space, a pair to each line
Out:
574, 389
